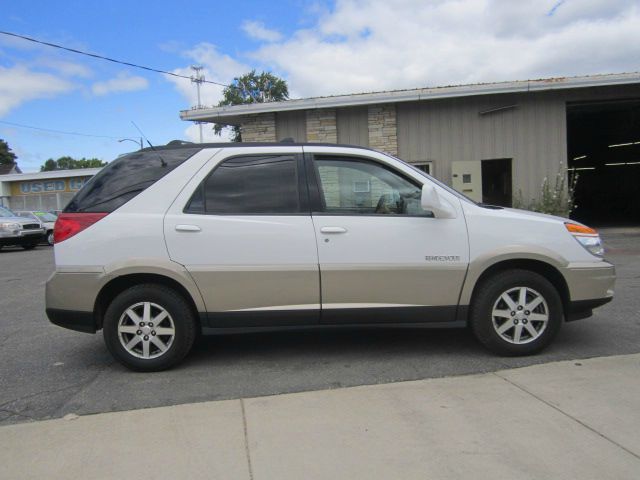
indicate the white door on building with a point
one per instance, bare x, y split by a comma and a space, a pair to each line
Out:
466, 177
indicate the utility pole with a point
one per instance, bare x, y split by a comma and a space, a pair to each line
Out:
198, 78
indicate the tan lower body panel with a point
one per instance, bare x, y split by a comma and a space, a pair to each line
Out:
387, 285
73, 291
246, 288
587, 282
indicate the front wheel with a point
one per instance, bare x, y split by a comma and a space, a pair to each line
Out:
517, 312
50, 238
149, 328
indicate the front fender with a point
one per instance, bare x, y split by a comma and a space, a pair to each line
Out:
479, 264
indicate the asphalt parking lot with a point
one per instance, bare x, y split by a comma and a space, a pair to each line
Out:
48, 372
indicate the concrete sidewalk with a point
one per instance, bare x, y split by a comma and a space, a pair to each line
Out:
573, 420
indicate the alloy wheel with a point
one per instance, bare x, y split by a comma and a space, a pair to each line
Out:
520, 315
146, 330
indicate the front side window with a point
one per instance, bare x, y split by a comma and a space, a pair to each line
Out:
260, 185
354, 186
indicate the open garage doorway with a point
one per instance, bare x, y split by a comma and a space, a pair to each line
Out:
496, 182
603, 145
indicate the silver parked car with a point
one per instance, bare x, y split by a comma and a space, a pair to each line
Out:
46, 219
19, 231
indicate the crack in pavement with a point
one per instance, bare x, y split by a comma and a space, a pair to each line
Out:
247, 450
568, 415
15, 414
36, 394
83, 387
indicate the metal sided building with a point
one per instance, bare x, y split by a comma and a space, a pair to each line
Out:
490, 141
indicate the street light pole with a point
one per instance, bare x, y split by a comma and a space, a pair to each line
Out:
132, 140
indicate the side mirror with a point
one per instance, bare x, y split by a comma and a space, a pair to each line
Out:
431, 201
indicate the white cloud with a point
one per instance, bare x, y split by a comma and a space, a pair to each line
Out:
18, 85
367, 45
208, 136
217, 67
63, 67
123, 82
258, 31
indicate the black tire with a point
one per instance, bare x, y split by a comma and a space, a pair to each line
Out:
161, 297
50, 238
30, 246
485, 325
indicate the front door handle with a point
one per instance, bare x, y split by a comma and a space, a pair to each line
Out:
333, 230
187, 228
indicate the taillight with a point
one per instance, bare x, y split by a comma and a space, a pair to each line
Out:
69, 224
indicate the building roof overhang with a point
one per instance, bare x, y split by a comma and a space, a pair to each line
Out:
234, 114
79, 172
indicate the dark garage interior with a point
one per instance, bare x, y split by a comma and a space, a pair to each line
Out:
603, 145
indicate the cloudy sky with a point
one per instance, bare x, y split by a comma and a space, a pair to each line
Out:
319, 47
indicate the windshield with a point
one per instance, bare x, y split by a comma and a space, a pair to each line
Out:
5, 212
46, 216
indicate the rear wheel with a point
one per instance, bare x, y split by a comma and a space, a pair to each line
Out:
517, 312
149, 328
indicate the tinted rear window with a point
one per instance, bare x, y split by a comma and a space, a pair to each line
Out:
126, 177
250, 185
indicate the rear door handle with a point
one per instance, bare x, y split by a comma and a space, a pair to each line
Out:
187, 228
333, 230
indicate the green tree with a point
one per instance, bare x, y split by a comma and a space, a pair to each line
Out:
69, 163
6, 155
252, 88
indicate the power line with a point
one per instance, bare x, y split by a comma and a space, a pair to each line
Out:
58, 131
108, 59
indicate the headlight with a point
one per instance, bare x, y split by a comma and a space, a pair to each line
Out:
587, 237
9, 226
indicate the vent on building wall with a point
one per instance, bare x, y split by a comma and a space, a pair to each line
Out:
497, 109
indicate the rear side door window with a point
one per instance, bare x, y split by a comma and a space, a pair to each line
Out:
252, 185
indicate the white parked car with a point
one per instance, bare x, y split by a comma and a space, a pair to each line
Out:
47, 221
216, 238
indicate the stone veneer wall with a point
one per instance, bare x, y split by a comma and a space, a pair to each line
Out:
383, 131
321, 125
259, 128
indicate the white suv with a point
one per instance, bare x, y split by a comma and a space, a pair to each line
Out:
168, 242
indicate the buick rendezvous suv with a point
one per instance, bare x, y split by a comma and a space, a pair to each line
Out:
169, 242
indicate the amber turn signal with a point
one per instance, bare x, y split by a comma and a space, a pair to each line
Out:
580, 229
